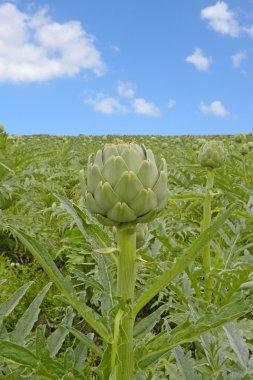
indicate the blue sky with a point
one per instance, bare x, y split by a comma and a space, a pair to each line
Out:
126, 67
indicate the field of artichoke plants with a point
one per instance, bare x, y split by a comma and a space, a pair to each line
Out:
126, 257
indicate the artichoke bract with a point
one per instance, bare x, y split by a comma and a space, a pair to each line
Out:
212, 154
124, 184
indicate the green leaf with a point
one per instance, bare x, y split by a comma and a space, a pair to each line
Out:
43, 354
146, 324
7, 307
82, 182
238, 345
30, 316
63, 284
183, 261
86, 340
93, 233
184, 364
88, 280
105, 272
107, 250
185, 197
57, 338
80, 355
17, 354
189, 331
69, 359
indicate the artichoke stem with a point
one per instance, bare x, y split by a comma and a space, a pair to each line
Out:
205, 225
244, 170
125, 291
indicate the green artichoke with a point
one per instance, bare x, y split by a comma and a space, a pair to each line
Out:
124, 184
244, 149
212, 154
240, 137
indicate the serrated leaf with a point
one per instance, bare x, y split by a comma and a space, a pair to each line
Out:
69, 359
87, 279
185, 197
17, 354
27, 320
93, 233
106, 250
238, 344
189, 331
43, 355
184, 365
80, 355
63, 283
86, 340
146, 324
183, 261
57, 338
106, 279
9, 305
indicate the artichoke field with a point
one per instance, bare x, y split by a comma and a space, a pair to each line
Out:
168, 299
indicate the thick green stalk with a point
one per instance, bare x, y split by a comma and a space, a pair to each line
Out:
125, 291
207, 214
244, 170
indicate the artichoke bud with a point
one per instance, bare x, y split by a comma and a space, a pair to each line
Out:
212, 154
240, 137
125, 185
244, 149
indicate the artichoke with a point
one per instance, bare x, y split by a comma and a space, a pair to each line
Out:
212, 154
240, 137
244, 149
124, 184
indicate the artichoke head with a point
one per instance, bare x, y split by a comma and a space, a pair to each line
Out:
212, 154
240, 137
244, 149
124, 184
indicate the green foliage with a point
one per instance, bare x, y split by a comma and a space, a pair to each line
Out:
82, 257
19, 274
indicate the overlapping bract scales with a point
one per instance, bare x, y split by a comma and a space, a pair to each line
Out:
212, 154
124, 184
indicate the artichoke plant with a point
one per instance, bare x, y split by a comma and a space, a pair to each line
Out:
124, 184
125, 187
212, 154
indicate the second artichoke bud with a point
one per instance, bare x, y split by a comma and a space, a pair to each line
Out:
212, 154
124, 184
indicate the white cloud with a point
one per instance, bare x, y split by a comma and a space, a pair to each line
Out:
141, 106
249, 30
126, 89
33, 47
215, 108
201, 62
171, 103
106, 104
124, 103
115, 49
238, 58
221, 19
